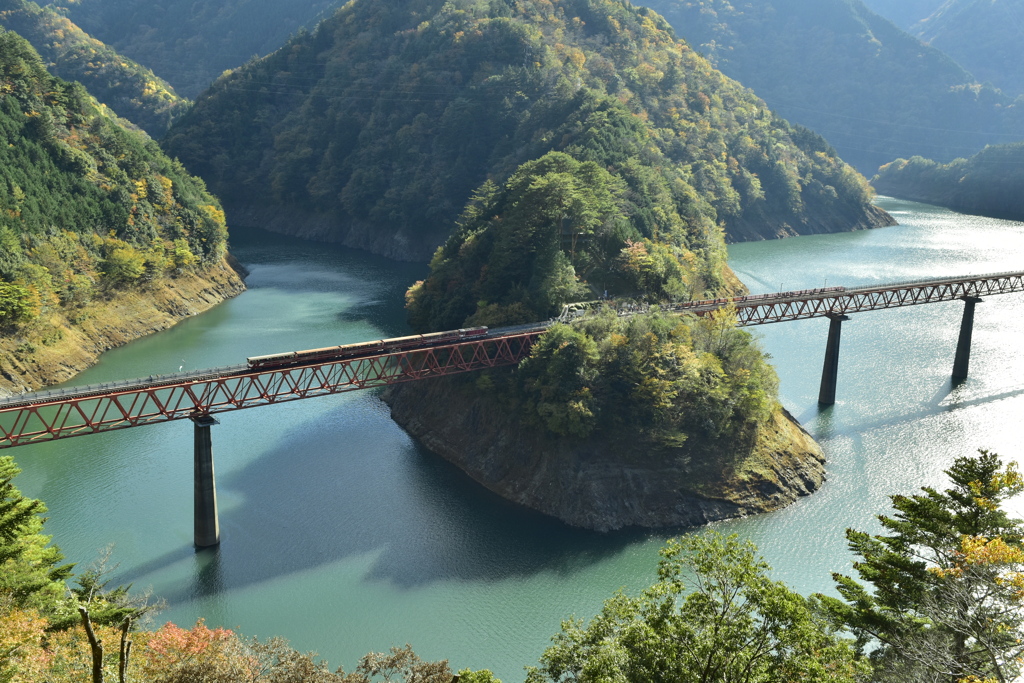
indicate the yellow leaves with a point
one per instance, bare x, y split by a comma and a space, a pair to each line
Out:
22, 657
979, 551
166, 203
951, 573
1009, 479
215, 214
576, 57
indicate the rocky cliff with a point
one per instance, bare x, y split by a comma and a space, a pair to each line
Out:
604, 485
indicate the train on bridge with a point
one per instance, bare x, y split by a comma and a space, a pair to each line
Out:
329, 353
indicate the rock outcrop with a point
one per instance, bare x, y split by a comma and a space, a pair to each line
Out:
603, 485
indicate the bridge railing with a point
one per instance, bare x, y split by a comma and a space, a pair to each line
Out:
26, 398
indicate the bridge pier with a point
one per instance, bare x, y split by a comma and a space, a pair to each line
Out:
207, 526
830, 370
963, 344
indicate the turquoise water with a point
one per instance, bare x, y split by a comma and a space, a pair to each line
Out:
343, 535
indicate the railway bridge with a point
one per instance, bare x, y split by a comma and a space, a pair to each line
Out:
277, 378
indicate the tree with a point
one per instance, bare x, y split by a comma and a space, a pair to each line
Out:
556, 381
17, 305
946, 582
735, 625
481, 676
399, 664
30, 571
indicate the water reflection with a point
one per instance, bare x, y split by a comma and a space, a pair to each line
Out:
334, 489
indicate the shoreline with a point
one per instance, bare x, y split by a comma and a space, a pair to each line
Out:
124, 317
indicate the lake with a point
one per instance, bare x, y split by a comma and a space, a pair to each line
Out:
343, 535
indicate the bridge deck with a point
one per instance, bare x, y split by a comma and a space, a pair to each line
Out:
62, 413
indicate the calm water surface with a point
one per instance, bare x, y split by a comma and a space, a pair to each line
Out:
342, 534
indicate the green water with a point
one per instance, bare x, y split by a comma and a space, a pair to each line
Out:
343, 535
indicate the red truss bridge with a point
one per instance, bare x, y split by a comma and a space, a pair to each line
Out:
761, 309
265, 380
295, 375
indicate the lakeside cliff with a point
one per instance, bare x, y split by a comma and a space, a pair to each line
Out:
74, 345
604, 484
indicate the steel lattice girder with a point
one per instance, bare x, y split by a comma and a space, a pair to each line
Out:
131, 406
772, 310
76, 416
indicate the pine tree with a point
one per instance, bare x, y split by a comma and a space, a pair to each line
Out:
31, 573
946, 582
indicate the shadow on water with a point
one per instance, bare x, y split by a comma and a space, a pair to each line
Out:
826, 425
271, 260
330, 492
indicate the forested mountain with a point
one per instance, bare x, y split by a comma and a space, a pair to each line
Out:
986, 37
874, 92
633, 150
88, 209
375, 128
131, 90
987, 184
191, 43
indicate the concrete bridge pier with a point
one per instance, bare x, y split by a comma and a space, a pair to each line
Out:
207, 526
963, 344
830, 371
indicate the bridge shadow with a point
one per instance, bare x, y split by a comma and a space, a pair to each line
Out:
335, 491
826, 426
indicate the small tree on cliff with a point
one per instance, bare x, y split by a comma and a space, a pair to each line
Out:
732, 624
947, 581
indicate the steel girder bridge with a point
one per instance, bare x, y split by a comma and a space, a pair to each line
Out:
57, 414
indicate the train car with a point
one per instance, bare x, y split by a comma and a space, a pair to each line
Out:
329, 353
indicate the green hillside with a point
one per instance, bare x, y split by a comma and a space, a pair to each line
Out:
191, 43
988, 184
982, 35
874, 92
625, 199
375, 128
86, 205
131, 90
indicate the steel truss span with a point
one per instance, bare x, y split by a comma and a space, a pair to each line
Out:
34, 418
774, 308
49, 415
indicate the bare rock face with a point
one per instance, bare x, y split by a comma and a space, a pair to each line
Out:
74, 345
604, 484
815, 223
